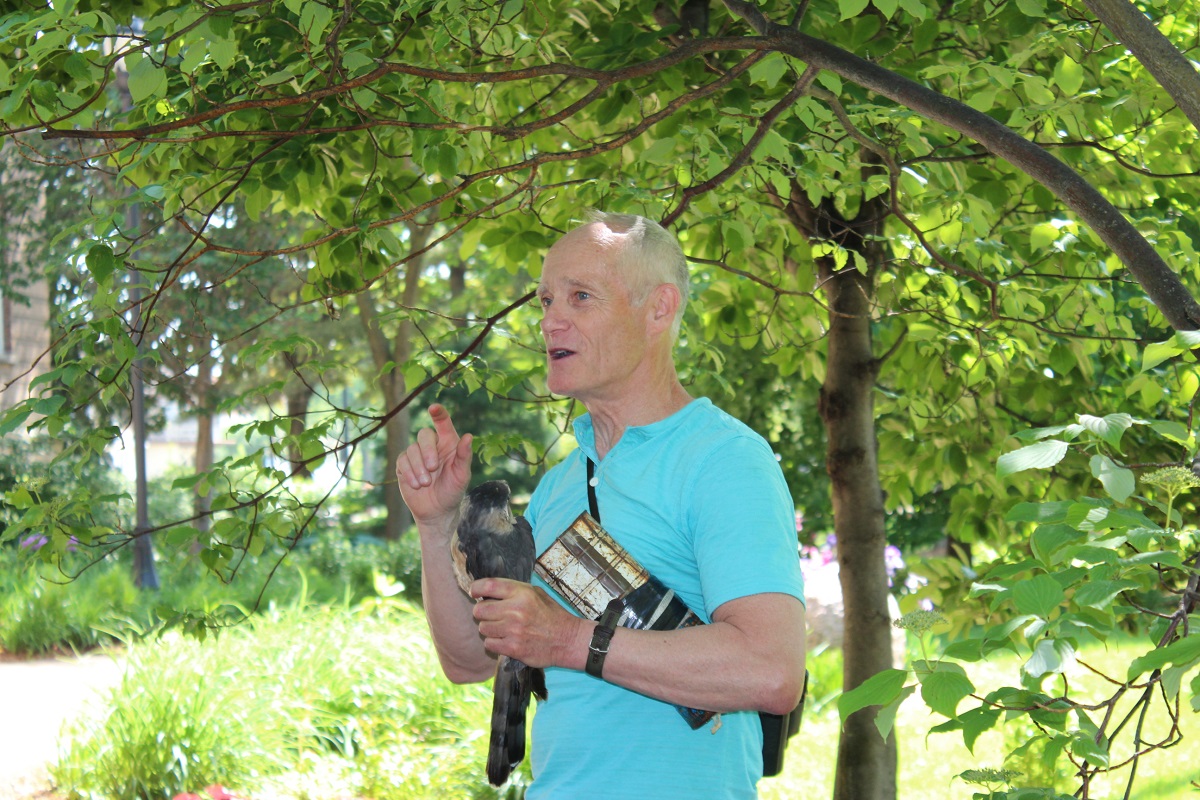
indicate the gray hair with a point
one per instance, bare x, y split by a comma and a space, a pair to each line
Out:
649, 256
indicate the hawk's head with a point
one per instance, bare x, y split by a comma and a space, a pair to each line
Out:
487, 508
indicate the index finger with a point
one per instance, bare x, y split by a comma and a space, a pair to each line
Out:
442, 422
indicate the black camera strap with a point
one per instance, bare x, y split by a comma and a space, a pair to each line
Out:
593, 506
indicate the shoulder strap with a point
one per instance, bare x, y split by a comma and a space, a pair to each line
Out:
593, 506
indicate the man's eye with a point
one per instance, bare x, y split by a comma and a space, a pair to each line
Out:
544, 302
582, 295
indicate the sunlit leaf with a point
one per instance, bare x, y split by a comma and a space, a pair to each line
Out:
1035, 456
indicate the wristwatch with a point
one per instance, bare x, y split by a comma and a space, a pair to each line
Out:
601, 639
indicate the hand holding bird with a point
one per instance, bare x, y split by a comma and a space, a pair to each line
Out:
490, 542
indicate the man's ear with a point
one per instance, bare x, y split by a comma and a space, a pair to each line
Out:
664, 302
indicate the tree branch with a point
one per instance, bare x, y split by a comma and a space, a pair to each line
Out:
1160, 283
1171, 68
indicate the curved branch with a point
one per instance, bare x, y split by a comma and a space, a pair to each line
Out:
1170, 68
1160, 283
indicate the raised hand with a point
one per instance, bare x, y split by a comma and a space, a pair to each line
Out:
433, 473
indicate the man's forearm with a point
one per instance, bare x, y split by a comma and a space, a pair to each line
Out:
448, 611
749, 658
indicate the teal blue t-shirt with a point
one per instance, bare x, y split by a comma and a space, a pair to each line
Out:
699, 500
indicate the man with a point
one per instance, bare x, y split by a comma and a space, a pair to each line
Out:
689, 492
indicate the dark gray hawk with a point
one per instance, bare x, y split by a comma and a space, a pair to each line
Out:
490, 543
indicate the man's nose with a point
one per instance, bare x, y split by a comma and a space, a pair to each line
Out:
552, 320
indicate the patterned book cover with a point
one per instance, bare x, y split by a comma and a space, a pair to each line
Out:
590, 570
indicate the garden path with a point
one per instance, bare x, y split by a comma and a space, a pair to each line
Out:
37, 697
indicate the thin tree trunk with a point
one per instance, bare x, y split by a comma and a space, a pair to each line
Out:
866, 765
204, 438
297, 395
398, 430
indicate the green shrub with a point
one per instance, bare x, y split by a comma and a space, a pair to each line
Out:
336, 564
305, 702
41, 615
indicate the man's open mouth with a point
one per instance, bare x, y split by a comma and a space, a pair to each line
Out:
557, 353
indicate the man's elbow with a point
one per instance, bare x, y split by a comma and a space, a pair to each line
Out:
460, 673
784, 690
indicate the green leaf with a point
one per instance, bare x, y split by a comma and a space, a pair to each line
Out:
1117, 481
1049, 539
313, 20
181, 535
1083, 746
1049, 656
1110, 428
877, 690
447, 161
852, 8
943, 689
1039, 596
885, 720
255, 543
886, 7
1182, 651
147, 80
1170, 429
1040, 512
1068, 75
769, 70
46, 406
915, 7
1101, 593
1035, 456
101, 262
661, 152
1042, 236
1159, 352
14, 418
223, 51
976, 722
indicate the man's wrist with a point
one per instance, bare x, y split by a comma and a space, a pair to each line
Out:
601, 642
437, 530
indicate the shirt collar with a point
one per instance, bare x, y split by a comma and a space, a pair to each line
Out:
634, 435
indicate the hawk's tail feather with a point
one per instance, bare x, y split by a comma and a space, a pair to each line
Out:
510, 702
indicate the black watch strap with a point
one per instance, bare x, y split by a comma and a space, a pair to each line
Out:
602, 638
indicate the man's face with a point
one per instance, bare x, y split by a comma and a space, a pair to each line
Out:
596, 339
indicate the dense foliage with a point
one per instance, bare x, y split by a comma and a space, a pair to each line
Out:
961, 220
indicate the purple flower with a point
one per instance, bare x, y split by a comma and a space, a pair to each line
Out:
36, 541
892, 559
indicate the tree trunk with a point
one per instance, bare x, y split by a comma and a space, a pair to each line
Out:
204, 439
397, 351
399, 432
297, 394
866, 765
